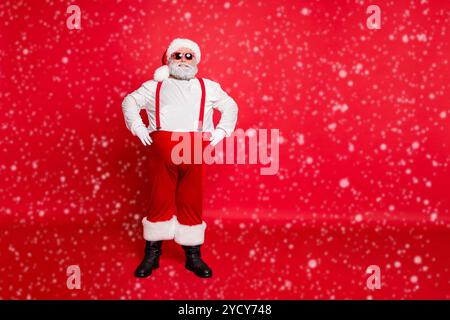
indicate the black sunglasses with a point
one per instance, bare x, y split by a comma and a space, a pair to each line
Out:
179, 55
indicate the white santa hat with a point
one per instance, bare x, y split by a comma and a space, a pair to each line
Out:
163, 72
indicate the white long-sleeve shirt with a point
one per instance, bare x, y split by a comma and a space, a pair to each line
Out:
179, 106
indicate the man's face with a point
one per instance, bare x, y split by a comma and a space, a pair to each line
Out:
183, 64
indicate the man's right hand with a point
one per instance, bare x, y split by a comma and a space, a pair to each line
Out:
144, 135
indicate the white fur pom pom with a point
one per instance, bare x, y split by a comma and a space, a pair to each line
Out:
161, 73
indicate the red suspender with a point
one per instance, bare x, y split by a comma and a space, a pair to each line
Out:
202, 105
158, 88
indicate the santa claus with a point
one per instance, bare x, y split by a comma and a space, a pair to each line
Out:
177, 101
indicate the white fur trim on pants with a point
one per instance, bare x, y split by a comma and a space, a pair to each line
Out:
171, 229
190, 235
160, 230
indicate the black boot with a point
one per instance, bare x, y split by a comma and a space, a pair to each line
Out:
194, 262
151, 259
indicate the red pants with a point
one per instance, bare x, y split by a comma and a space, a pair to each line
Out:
176, 199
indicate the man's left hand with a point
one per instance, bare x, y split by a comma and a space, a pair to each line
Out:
216, 136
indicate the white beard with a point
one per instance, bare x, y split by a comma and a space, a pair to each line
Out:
183, 71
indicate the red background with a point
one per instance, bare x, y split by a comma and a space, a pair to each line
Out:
73, 178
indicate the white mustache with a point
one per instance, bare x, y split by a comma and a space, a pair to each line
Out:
182, 64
